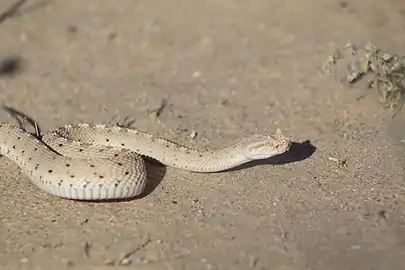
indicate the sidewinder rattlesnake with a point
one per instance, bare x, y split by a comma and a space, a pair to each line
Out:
104, 162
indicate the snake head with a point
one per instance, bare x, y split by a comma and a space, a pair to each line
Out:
263, 146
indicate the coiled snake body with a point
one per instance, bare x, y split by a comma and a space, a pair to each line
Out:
103, 162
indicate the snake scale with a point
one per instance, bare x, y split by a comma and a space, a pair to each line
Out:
104, 162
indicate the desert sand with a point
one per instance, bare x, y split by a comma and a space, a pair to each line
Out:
204, 74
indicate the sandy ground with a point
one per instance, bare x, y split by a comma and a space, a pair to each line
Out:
226, 69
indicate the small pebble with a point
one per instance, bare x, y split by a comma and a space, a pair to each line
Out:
83, 221
355, 247
125, 261
386, 57
196, 74
193, 134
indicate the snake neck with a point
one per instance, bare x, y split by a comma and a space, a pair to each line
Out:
201, 161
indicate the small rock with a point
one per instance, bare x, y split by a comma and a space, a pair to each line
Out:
350, 48
193, 134
125, 261
196, 74
83, 221
386, 57
370, 47
354, 72
382, 214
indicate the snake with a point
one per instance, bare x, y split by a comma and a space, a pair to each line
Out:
107, 162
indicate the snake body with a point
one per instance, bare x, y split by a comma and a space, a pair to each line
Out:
103, 162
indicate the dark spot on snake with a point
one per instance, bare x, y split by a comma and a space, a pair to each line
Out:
8, 151
67, 165
167, 146
200, 155
122, 144
101, 176
126, 173
187, 152
36, 166
18, 138
116, 155
13, 146
35, 149
116, 184
70, 185
107, 140
92, 166
61, 144
22, 152
30, 158
81, 149
50, 171
101, 150
72, 176
119, 164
